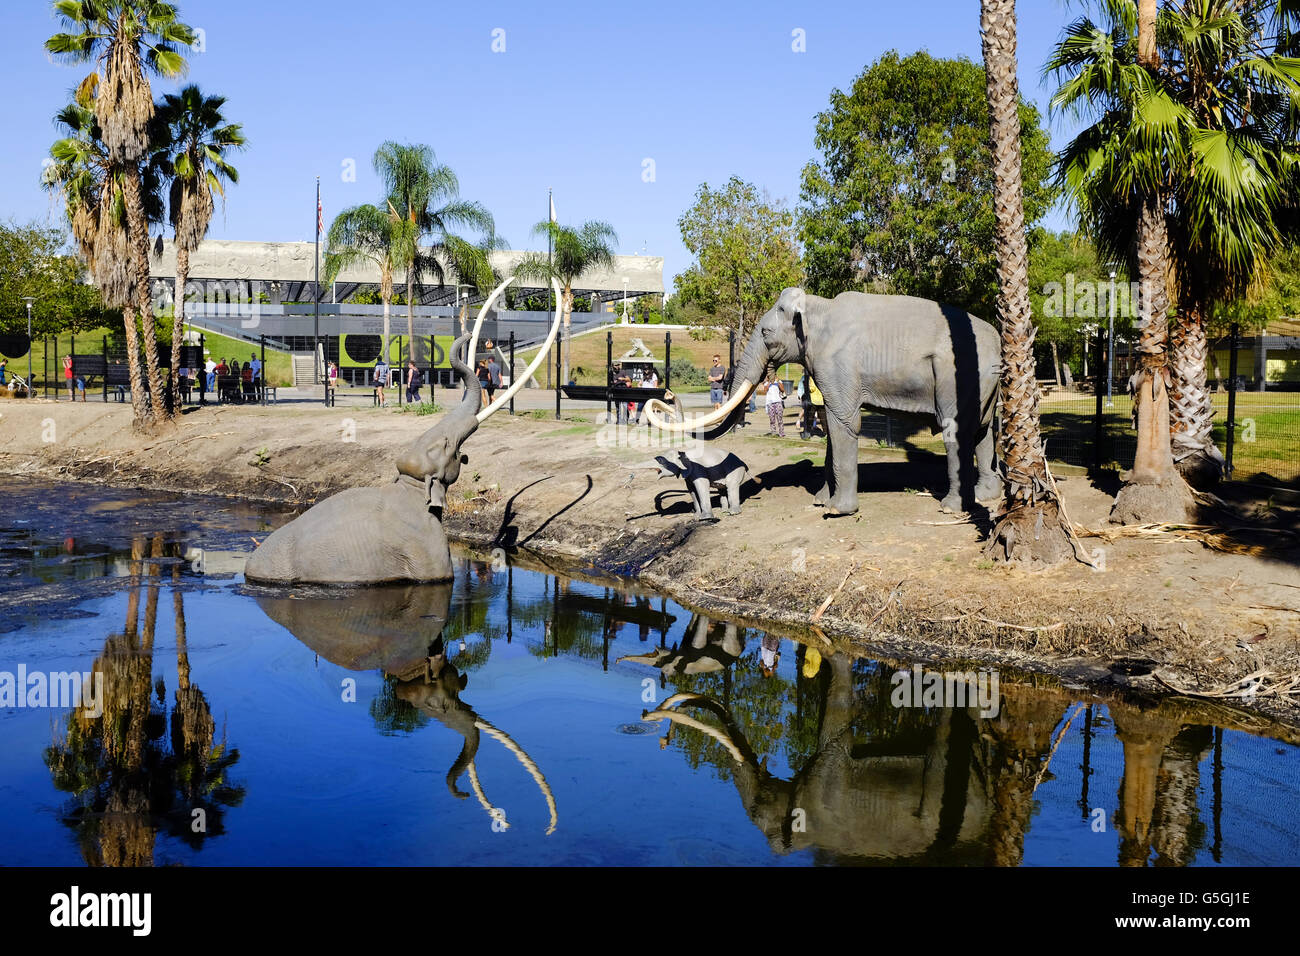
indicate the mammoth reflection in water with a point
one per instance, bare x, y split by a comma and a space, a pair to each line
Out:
871, 781
398, 629
713, 646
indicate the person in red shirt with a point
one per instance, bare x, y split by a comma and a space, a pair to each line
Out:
67, 377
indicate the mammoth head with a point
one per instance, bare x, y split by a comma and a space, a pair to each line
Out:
780, 331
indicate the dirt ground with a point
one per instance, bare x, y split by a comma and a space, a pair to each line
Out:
903, 577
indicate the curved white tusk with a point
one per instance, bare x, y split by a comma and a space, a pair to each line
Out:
518, 381
473, 338
654, 407
533, 770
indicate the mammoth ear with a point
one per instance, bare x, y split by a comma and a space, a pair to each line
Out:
798, 304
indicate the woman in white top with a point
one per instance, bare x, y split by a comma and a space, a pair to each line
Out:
775, 407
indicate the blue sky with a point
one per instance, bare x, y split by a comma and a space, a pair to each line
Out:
583, 94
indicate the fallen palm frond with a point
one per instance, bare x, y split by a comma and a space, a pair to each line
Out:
888, 600
1212, 536
1080, 552
1262, 683
988, 620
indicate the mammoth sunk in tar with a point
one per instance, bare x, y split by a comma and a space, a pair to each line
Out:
391, 533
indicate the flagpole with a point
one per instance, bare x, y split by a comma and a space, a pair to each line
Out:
315, 347
550, 295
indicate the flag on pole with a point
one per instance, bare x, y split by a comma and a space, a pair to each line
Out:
320, 215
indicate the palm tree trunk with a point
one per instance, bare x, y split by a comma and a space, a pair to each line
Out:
384, 347
1030, 528
410, 308
566, 301
1153, 490
139, 412
1191, 410
178, 319
138, 229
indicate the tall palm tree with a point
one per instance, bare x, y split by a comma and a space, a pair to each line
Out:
1031, 527
1119, 172
93, 195
423, 197
126, 40
365, 233
574, 252
1229, 63
196, 139
1221, 154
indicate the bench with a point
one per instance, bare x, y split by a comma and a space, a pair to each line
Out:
616, 393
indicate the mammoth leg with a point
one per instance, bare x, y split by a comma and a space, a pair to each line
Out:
989, 485
733, 495
704, 498
842, 466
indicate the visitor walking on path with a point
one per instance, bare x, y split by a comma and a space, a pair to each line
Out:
775, 406
494, 376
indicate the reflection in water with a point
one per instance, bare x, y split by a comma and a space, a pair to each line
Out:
404, 631
764, 746
870, 782
126, 783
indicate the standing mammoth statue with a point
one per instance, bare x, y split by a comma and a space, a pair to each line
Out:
907, 357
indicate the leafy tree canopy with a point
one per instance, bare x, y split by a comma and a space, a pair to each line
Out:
36, 260
901, 198
746, 252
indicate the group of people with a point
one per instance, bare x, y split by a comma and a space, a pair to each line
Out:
812, 418
235, 383
414, 379
631, 411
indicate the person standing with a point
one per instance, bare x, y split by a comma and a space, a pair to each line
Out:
381, 379
210, 368
334, 374
67, 377
494, 375
775, 406
716, 374
819, 406
412, 382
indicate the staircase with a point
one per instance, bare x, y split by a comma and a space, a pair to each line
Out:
304, 371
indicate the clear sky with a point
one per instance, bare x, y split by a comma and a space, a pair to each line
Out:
581, 97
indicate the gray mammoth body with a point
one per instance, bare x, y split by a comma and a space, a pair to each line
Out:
910, 358
704, 470
380, 534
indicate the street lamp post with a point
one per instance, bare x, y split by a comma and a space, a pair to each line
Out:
625, 300
29, 300
1110, 360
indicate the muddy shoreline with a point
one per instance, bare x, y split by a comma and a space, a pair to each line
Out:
905, 581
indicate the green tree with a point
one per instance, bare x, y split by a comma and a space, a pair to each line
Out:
127, 40
423, 197
573, 253
365, 233
745, 250
901, 198
1031, 527
195, 138
36, 261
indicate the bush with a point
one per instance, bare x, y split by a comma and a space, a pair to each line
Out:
684, 372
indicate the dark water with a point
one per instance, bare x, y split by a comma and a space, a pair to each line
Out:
255, 727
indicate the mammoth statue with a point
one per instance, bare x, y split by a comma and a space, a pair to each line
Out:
910, 358
391, 533
705, 470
